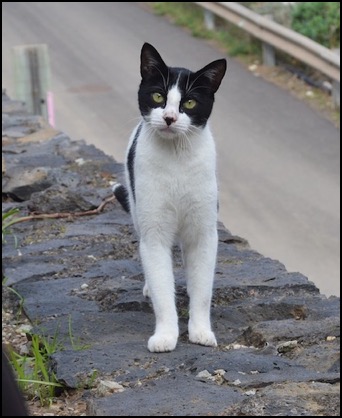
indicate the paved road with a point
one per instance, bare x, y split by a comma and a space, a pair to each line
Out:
278, 161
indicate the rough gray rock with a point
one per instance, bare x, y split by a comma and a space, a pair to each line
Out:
278, 351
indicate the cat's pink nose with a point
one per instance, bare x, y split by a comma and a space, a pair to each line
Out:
169, 120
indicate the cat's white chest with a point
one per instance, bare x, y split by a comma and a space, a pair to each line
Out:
175, 168
175, 188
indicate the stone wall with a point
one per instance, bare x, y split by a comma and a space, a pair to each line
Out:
278, 337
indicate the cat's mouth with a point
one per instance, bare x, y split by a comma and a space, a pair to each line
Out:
168, 132
168, 129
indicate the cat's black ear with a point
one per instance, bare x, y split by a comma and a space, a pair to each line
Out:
151, 62
213, 73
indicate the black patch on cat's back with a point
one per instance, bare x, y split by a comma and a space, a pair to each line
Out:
130, 160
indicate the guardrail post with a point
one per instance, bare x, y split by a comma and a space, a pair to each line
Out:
336, 86
268, 55
209, 19
268, 52
32, 77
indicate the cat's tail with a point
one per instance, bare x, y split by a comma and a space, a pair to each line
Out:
121, 194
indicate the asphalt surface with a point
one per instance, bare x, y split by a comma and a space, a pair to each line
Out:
278, 160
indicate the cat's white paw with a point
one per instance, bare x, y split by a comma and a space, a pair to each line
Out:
202, 337
146, 291
160, 343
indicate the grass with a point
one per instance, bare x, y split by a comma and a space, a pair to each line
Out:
76, 346
33, 371
8, 219
230, 38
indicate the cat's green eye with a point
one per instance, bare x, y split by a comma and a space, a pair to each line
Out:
158, 98
189, 104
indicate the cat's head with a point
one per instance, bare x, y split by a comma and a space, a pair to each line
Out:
175, 102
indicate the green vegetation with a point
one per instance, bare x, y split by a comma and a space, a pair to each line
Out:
233, 40
319, 21
8, 219
33, 371
76, 346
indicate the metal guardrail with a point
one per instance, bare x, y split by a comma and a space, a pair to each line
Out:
278, 36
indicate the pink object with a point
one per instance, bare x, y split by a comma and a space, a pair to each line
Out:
50, 109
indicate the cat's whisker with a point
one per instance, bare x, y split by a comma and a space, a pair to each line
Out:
135, 119
187, 82
168, 79
165, 83
150, 129
199, 87
188, 141
131, 121
193, 82
194, 128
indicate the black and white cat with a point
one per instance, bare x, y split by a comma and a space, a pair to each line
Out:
172, 191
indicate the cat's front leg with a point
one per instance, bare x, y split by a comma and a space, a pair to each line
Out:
157, 263
200, 259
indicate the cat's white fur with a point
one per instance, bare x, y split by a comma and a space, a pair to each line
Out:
176, 202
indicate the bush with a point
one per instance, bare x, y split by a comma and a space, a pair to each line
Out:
318, 21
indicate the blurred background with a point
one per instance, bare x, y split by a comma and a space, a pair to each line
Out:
276, 126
